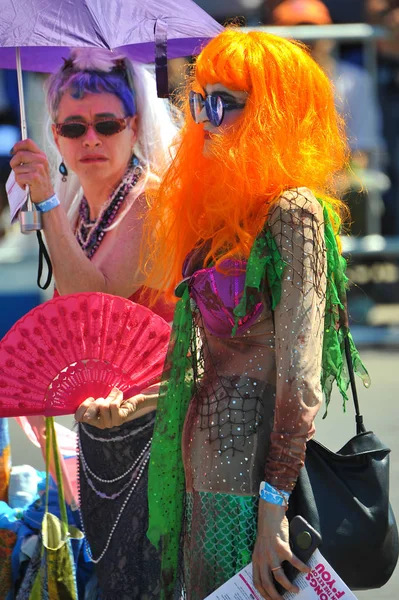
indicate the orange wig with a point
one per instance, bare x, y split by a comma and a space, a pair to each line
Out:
288, 135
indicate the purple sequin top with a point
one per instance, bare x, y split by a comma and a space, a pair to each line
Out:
218, 293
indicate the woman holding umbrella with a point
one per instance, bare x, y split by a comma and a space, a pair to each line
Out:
112, 134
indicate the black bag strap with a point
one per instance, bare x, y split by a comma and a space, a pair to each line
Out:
344, 323
360, 428
43, 254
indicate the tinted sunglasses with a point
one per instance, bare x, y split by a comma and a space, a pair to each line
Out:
76, 129
215, 107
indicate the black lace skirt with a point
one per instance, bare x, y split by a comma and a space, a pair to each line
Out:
130, 566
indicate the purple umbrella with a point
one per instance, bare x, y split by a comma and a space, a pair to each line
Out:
43, 28
41, 31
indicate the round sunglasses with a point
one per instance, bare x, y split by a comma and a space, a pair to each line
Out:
215, 107
77, 129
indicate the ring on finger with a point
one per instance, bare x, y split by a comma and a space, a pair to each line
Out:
276, 568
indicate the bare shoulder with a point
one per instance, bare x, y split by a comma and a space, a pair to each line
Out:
297, 202
135, 206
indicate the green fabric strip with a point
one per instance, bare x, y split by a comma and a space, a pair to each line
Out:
166, 482
51, 439
264, 260
333, 358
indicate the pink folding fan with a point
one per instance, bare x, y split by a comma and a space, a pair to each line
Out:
77, 346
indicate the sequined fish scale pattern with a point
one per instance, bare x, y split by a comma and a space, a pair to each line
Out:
226, 529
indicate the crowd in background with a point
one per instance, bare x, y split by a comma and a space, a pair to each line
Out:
367, 100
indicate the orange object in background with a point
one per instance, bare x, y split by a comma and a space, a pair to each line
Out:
294, 12
5, 460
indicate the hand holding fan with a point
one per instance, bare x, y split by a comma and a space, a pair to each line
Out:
77, 346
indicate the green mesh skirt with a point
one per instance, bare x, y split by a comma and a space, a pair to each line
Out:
219, 536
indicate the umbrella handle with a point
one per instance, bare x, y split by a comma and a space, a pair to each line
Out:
29, 217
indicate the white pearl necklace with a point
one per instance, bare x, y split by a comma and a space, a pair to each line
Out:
125, 502
114, 526
86, 467
114, 438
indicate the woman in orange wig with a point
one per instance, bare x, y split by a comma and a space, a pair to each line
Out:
246, 215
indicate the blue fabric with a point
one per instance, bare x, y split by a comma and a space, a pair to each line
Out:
28, 522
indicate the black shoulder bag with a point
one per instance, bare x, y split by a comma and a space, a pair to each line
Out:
345, 497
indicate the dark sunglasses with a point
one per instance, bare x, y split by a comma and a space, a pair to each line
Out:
215, 107
76, 129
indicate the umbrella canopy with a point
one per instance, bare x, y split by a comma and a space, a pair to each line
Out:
43, 29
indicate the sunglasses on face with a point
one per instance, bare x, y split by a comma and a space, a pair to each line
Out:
215, 107
77, 129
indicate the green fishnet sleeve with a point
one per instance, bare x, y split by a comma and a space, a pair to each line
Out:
166, 483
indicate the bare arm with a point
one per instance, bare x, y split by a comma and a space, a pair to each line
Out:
73, 271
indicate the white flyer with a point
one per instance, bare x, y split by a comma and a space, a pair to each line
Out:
16, 196
322, 583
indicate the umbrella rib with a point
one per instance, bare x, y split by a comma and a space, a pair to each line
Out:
97, 26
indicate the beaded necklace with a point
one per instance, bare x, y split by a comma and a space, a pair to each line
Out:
138, 467
90, 233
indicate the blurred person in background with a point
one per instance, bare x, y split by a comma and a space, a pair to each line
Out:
357, 102
386, 13
341, 11
354, 94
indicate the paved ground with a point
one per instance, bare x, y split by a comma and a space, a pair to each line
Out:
380, 407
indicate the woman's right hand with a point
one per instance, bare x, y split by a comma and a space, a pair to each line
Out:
272, 548
109, 412
30, 166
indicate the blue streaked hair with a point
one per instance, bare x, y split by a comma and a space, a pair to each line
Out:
92, 71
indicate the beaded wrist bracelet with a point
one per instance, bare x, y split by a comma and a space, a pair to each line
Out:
270, 494
48, 204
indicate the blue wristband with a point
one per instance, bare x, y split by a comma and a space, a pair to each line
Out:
48, 204
270, 494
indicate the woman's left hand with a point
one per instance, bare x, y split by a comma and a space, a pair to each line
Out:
108, 412
31, 168
272, 548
